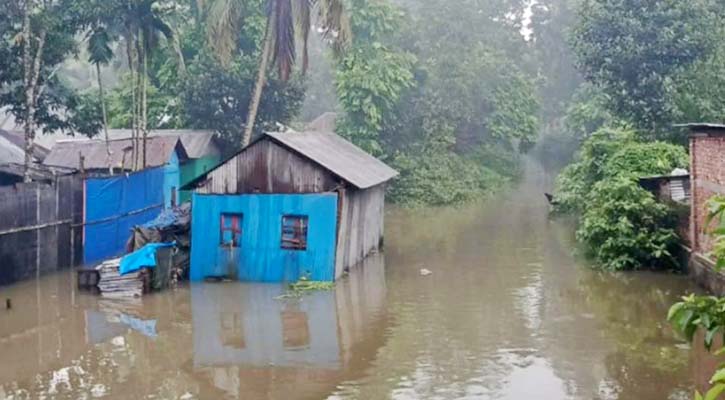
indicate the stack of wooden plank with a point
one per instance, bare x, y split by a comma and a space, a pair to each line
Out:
113, 284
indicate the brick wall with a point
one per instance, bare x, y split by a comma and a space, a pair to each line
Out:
707, 172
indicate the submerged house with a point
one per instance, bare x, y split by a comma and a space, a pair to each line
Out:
289, 205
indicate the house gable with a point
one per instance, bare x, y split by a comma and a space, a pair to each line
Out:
267, 167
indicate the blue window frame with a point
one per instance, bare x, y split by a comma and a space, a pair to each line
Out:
231, 230
294, 232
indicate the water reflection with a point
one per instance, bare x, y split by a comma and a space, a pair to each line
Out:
508, 313
209, 341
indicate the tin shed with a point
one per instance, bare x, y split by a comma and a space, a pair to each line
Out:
288, 205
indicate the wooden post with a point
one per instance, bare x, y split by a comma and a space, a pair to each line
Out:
82, 164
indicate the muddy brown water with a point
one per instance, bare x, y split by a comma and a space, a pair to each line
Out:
507, 313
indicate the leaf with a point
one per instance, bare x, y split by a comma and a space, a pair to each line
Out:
719, 376
715, 392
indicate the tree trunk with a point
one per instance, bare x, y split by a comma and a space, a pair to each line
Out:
28, 91
258, 87
105, 117
32, 66
134, 126
144, 106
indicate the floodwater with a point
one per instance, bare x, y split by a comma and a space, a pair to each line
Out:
507, 313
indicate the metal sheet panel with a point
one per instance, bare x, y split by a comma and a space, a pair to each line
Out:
116, 204
260, 257
339, 156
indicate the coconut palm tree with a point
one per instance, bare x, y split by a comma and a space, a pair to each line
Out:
100, 53
285, 20
141, 25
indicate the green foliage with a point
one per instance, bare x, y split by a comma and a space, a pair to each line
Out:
218, 98
577, 179
163, 109
305, 286
646, 159
369, 81
634, 49
697, 92
622, 225
442, 107
625, 228
86, 115
61, 21
439, 178
372, 75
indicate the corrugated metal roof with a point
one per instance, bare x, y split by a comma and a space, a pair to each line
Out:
18, 139
158, 152
339, 156
10, 153
701, 126
197, 143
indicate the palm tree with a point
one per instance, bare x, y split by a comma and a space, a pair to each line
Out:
143, 26
100, 53
285, 19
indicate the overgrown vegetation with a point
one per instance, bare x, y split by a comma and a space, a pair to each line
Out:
450, 113
643, 64
621, 225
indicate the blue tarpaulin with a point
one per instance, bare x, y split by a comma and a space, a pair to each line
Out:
144, 257
114, 205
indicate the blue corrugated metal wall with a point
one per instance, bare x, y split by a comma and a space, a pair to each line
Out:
113, 205
172, 180
260, 257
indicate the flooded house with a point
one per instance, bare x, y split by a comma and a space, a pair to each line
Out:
707, 179
290, 205
116, 198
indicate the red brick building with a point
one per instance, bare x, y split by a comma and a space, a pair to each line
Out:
707, 177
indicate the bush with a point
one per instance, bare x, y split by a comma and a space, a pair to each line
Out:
646, 159
439, 179
610, 153
577, 179
624, 227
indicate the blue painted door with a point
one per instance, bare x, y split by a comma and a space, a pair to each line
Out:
264, 238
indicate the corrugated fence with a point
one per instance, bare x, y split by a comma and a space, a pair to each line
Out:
72, 221
40, 228
116, 204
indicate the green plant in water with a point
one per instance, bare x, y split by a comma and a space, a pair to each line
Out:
305, 286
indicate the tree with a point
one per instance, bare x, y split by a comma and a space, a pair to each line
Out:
144, 24
30, 55
100, 53
284, 19
633, 49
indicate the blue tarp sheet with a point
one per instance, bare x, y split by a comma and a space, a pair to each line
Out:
114, 205
144, 257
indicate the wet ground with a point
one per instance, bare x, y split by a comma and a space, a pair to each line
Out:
507, 313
